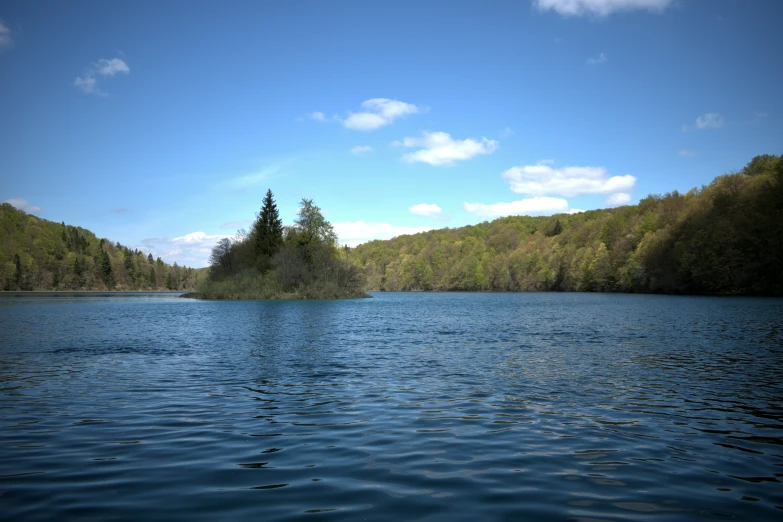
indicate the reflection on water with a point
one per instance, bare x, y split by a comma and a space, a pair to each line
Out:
402, 407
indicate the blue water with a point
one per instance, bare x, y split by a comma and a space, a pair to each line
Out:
403, 407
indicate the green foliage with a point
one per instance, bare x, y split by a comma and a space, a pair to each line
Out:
267, 231
725, 238
36, 254
105, 269
305, 264
312, 227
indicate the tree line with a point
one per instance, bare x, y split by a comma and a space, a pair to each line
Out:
723, 238
272, 260
37, 254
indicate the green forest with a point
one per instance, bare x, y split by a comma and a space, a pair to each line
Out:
724, 238
37, 254
273, 261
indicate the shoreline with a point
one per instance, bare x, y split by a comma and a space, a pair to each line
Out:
281, 297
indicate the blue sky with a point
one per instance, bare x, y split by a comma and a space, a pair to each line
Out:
162, 124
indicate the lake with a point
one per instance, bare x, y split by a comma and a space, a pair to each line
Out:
408, 406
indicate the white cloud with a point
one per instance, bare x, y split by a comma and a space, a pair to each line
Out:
598, 59
22, 204
686, 152
711, 120
538, 180
618, 200
576, 211
599, 7
538, 206
439, 149
361, 150
428, 210
317, 116
88, 82
189, 250
111, 67
352, 233
6, 41
378, 113
506, 132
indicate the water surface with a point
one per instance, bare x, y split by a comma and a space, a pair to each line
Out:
403, 407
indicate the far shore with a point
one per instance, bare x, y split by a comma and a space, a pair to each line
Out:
276, 297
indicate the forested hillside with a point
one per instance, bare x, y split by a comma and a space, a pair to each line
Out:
36, 254
725, 238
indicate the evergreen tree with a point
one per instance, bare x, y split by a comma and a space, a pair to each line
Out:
152, 279
169, 282
149, 258
19, 274
105, 269
268, 230
175, 269
129, 266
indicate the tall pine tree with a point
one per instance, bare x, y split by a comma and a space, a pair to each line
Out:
105, 269
268, 231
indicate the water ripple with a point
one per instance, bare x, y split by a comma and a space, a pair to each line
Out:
402, 407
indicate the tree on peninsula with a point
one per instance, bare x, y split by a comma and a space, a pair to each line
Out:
267, 231
299, 261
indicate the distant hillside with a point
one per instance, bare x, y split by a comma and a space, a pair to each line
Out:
36, 254
725, 238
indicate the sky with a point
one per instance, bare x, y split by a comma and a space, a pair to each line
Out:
161, 125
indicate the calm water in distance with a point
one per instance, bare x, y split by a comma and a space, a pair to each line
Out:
413, 406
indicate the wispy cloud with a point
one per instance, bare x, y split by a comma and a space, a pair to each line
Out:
377, 113
361, 150
189, 250
428, 210
88, 81
121, 210
540, 179
352, 233
440, 149
22, 204
6, 41
757, 117
599, 7
538, 206
317, 116
686, 152
597, 59
254, 179
506, 132
618, 200
236, 225
711, 120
